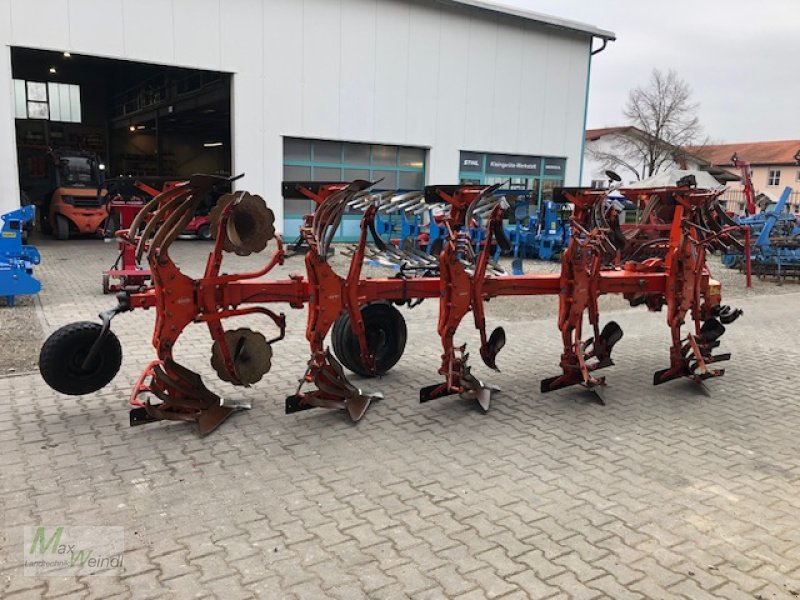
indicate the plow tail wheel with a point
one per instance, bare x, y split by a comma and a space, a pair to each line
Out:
63, 353
386, 337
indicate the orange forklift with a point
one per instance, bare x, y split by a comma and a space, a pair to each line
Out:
77, 201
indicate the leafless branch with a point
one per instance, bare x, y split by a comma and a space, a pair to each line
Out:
662, 110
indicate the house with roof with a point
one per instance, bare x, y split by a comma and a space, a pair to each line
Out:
623, 150
773, 166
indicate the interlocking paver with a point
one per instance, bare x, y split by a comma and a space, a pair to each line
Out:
663, 493
533, 585
614, 589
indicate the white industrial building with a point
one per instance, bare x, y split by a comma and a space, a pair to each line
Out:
413, 91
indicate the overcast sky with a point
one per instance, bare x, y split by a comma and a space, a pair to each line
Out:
740, 57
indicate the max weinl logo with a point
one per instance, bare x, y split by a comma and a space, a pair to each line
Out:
71, 550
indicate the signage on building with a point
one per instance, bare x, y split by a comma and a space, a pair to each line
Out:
555, 166
512, 164
507, 164
472, 162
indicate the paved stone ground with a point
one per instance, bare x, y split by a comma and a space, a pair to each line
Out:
21, 336
662, 493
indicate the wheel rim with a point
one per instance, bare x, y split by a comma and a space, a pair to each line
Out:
377, 339
75, 364
385, 336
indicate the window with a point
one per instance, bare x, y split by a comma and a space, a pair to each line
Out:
294, 149
78, 170
410, 180
53, 101
37, 100
327, 174
774, 177
353, 174
399, 168
548, 185
293, 173
356, 154
598, 184
385, 156
415, 158
520, 175
328, 152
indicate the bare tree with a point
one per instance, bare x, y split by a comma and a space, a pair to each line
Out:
663, 120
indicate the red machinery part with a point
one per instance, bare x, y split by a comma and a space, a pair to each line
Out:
747, 184
125, 271
641, 263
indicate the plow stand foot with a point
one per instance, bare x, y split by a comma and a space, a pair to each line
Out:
482, 395
437, 390
207, 419
665, 375
295, 403
183, 396
211, 418
140, 416
471, 388
596, 385
334, 390
599, 392
357, 406
551, 384
476, 389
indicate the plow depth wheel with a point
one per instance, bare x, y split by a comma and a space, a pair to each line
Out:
62, 355
386, 334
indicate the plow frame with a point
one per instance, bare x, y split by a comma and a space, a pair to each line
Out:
590, 267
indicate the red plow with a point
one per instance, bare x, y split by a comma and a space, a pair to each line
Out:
660, 262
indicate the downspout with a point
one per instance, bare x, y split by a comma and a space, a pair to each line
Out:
601, 48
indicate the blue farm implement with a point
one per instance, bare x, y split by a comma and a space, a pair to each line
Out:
16, 259
413, 223
776, 249
543, 235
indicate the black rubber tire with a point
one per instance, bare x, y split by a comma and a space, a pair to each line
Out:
63, 353
111, 226
62, 228
386, 337
204, 233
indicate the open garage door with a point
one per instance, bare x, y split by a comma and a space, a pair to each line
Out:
82, 120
